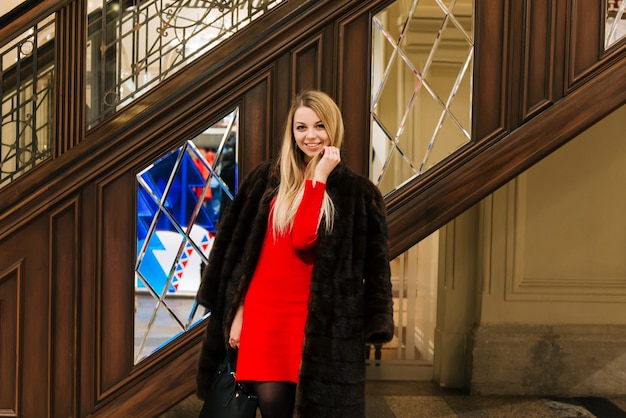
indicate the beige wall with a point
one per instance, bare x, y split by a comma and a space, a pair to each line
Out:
554, 239
532, 296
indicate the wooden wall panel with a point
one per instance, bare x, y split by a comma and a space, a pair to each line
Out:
540, 20
489, 102
10, 326
353, 87
25, 273
38, 317
306, 69
255, 123
117, 248
282, 95
35, 332
86, 304
585, 38
64, 256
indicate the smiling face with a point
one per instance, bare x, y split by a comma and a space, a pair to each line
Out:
309, 132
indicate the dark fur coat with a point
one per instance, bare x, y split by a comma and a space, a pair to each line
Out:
350, 302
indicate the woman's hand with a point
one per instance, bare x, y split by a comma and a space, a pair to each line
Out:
235, 328
331, 157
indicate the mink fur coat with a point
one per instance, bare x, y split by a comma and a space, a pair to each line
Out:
350, 301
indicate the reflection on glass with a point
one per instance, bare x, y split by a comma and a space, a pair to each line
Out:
615, 25
26, 86
134, 45
421, 89
414, 278
179, 201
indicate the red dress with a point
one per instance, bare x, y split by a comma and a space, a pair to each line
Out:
276, 304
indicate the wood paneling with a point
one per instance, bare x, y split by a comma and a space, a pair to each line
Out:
67, 229
539, 27
353, 99
24, 323
489, 107
64, 257
87, 303
586, 38
10, 318
306, 69
255, 122
115, 275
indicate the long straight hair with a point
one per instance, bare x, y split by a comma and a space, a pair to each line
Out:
293, 169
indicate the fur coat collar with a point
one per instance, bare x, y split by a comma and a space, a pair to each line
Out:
350, 301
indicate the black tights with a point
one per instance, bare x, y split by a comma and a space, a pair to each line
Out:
276, 399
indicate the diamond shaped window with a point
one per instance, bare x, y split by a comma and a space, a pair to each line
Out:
421, 92
179, 200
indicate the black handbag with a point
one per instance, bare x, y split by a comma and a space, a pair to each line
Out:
226, 397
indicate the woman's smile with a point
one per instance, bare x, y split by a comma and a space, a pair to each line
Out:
309, 132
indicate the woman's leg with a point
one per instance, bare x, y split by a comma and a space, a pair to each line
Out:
276, 399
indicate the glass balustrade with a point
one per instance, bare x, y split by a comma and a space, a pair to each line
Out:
27, 88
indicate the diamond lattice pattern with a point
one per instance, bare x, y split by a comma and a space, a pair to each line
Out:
421, 90
179, 200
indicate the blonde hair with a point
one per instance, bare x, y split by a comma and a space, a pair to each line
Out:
291, 163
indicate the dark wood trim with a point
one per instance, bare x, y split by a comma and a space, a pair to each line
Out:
586, 39
18, 10
353, 90
87, 322
539, 29
64, 256
116, 281
11, 321
69, 101
489, 107
306, 65
255, 123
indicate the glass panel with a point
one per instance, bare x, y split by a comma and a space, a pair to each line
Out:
179, 201
421, 90
615, 25
134, 45
27, 72
421, 101
409, 355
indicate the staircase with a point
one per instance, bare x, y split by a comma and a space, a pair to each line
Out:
67, 239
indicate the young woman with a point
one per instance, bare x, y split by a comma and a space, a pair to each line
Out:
298, 277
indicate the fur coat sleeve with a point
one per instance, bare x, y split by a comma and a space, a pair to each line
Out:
230, 267
350, 302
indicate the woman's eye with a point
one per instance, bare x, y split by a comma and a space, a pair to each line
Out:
320, 126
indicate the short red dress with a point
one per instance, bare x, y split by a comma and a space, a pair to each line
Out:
276, 304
